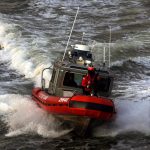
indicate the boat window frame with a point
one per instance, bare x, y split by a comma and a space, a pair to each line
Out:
53, 85
53, 76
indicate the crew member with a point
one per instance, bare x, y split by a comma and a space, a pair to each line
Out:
88, 82
69, 80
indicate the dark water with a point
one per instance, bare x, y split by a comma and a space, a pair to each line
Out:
33, 33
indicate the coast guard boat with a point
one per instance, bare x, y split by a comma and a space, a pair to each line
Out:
64, 97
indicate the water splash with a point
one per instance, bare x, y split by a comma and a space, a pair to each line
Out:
22, 116
133, 109
131, 116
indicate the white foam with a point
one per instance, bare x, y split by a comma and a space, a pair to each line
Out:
131, 116
4, 108
143, 60
23, 116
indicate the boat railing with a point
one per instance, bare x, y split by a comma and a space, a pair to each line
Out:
42, 78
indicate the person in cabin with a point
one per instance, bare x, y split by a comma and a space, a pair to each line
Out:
89, 82
69, 80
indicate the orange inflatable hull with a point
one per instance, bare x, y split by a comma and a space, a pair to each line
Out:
92, 107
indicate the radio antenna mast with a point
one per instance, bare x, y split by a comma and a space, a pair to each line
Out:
70, 34
109, 46
104, 57
82, 37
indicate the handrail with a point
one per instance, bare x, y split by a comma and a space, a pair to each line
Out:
42, 79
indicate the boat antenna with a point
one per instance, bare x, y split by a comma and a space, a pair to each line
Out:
104, 56
70, 34
82, 37
109, 45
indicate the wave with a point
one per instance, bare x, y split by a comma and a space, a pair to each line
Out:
121, 49
22, 56
132, 79
132, 68
28, 59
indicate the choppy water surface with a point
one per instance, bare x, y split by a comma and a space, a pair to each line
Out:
34, 33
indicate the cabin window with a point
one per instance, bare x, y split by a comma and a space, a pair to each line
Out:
72, 79
53, 76
103, 85
84, 54
89, 56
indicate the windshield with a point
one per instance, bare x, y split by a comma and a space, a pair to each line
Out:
73, 79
